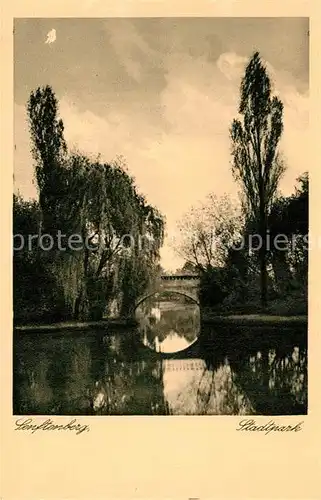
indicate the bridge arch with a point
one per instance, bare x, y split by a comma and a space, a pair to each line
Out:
184, 294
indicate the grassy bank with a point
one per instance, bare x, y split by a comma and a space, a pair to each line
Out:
75, 325
253, 319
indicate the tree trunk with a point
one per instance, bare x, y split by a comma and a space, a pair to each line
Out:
281, 271
263, 278
263, 255
76, 313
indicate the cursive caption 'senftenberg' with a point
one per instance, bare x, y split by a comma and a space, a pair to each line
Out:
271, 426
26, 424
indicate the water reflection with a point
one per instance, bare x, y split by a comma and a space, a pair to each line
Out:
168, 326
112, 373
191, 389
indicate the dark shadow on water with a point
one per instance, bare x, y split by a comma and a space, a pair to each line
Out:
268, 364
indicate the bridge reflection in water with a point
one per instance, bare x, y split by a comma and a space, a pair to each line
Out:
220, 371
168, 326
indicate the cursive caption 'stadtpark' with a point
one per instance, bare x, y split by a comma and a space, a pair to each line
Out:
251, 426
27, 424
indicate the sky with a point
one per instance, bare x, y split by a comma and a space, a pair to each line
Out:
160, 92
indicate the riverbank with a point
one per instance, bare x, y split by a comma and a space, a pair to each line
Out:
254, 320
104, 324
245, 320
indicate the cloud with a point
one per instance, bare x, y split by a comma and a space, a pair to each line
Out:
177, 166
131, 48
231, 65
51, 36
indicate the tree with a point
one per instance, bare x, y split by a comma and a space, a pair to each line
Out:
48, 149
207, 231
55, 177
289, 216
257, 164
188, 268
35, 293
99, 203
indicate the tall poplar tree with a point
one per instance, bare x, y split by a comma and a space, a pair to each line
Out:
49, 150
257, 164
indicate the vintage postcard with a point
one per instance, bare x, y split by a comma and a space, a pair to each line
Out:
161, 302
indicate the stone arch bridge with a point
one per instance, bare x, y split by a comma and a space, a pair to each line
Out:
185, 284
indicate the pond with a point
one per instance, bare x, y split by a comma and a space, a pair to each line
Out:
170, 364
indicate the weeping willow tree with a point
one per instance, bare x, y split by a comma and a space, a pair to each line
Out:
98, 205
257, 164
116, 220
139, 265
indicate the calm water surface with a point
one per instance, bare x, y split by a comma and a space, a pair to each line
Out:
169, 365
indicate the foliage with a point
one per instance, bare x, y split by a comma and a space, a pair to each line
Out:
119, 233
48, 150
287, 267
213, 287
188, 268
257, 164
207, 231
290, 217
35, 294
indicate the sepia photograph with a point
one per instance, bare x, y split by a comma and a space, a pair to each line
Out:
161, 216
